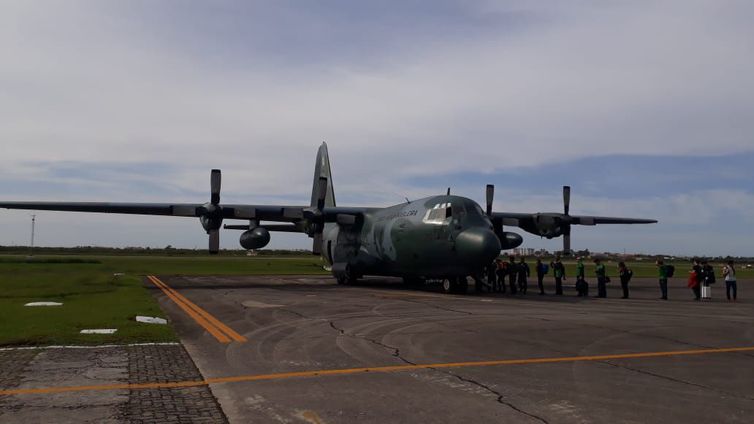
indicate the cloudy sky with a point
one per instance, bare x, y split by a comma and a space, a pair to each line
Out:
645, 108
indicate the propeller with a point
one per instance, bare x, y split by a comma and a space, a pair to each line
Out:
211, 213
314, 215
490, 197
567, 220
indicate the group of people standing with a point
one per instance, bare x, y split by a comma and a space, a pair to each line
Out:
513, 276
702, 276
517, 274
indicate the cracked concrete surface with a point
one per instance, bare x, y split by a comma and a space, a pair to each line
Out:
320, 325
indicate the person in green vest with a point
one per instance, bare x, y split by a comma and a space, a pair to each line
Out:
601, 273
580, 268
662, 272
558, 271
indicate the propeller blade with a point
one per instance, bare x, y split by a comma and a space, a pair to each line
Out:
214, 181
567, 239
321, 193
317, 244
490, 198
566, 199
214, 241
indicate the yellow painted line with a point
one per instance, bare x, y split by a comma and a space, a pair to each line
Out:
380, 369
222, 338
204, 314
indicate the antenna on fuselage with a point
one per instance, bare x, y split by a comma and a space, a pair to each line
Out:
407, 201
448, 194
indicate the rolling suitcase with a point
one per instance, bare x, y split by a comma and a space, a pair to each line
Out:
706, 292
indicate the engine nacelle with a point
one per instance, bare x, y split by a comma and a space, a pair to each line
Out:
509, 240
255, 239
548, 225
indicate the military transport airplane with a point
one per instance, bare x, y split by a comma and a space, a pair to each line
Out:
440, 237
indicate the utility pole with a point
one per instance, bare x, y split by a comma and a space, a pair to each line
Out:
31, 250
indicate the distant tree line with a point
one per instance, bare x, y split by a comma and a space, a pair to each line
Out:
137, 251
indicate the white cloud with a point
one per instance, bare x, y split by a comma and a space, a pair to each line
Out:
81, 81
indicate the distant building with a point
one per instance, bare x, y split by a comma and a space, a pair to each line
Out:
523, 251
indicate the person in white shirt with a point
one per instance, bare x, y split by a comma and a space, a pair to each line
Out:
729, 272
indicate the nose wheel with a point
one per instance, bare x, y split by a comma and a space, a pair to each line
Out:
485, 279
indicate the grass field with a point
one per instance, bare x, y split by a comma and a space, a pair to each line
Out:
93, 297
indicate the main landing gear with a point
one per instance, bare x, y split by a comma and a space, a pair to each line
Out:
457, 285
345, 275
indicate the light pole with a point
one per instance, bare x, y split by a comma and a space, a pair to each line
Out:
31, 250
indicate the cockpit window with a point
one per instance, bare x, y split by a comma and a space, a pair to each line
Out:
438, 214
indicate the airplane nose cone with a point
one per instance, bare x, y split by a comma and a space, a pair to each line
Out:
477, 245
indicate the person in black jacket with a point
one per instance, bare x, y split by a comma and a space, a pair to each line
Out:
708, 278
512, 274
523, 275
541, 271
501, 272
625, 277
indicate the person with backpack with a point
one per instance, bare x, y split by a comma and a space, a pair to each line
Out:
662, 272
625, 276
523, 275
580, 268
601, 273
708, 278
729, 273
558, 270
542, 270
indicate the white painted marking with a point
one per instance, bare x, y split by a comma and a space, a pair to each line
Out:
99, 331
44, 304
6, 349
486, 300
151, 320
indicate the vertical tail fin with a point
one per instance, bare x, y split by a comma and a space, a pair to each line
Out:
322, 171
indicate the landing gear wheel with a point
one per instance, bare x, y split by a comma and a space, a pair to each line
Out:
455, 285
449, 285
347, 277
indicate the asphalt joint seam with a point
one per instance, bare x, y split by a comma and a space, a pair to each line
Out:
675, 380
397, 353
500, 397
442, 308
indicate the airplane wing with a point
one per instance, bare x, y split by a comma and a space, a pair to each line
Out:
306, 219
552, 224
303, 219
522, 219
261, 212
594, 220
